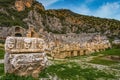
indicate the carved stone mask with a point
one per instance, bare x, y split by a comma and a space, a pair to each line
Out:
27, 43
11, 43
40, 44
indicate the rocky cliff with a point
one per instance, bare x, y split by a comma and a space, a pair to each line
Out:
27, 13
21, 4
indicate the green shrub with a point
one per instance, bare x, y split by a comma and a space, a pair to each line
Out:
2, 41
2, 52
1, 69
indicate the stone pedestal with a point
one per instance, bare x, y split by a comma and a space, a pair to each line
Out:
25, 56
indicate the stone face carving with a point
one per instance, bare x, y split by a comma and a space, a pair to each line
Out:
25, 56
22, 44
27, 43
10, 43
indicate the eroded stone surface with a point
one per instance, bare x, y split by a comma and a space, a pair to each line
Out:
21, 44
25, 56
69, 45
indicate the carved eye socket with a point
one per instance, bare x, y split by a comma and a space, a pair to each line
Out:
27, 45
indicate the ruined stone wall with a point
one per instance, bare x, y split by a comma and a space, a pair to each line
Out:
69, 45
66, 45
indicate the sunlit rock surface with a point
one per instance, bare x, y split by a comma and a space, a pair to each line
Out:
21, 4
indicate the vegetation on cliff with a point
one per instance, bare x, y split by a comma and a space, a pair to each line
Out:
56, 21
88, 24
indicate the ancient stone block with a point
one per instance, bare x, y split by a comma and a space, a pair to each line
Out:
25, 56
26, 45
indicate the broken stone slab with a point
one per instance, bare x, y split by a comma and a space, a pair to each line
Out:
25, 56
25, 64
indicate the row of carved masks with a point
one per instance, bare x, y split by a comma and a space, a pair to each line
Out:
27, 43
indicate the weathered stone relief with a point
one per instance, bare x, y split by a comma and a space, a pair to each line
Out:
25, 56
10, 43
77, 44
22, 44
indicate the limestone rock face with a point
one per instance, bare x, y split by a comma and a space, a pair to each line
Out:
21, 4
25, 56
28, 3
